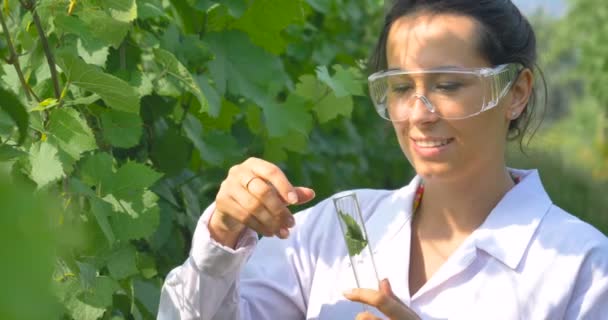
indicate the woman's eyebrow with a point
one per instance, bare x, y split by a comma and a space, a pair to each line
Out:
439, 68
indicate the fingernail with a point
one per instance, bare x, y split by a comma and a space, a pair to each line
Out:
291, 221
284, 233
292, 197
348, 292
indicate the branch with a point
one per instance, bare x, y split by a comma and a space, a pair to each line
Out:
29, 5
14, 59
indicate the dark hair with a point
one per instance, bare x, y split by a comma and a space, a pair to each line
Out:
505, 36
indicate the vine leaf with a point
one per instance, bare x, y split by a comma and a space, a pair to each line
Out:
355, 241
116, 93
177, 71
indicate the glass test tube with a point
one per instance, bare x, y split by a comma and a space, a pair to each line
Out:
348, 213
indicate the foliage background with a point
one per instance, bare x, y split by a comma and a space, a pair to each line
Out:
108, 157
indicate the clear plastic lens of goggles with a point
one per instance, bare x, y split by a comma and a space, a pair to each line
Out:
451, 95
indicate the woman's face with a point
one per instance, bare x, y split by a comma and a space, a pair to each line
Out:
439, 148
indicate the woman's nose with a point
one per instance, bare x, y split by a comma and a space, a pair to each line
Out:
422, 110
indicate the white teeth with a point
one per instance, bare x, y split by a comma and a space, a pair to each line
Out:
431, 144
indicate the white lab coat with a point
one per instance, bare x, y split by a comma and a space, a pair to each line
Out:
528, 260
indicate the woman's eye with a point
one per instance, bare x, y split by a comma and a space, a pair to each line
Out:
448, 86
400, 88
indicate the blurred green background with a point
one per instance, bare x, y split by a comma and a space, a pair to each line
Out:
99, 197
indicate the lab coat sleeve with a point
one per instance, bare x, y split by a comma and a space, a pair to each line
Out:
217, 282
590, 296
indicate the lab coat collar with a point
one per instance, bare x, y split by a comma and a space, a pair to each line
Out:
507, 231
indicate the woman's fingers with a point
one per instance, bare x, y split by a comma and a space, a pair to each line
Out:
247, 210
256, 194
304, 194
267, 194
273, 174
383, 300
366, 316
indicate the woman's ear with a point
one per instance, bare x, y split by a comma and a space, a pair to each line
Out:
520, 94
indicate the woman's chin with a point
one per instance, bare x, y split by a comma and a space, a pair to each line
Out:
434, 170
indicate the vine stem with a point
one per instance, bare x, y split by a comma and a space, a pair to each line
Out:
30, 6
14, 58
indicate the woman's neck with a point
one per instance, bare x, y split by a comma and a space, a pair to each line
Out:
455, 208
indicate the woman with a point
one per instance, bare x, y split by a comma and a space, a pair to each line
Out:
468, 238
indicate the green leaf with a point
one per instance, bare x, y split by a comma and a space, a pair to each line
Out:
228, 113
219, 18
89, 47
122, 10
13, 107
292, 115
105, 27
147, 9
121, 129
137, 217
98, 171
88, 100
213, 97
115, 92
77, 187
132, 176
256, 75
176, 70
265, 26
325, 103
45, 104
171, 152
87, 274
97, 55
330, 107
215, 147
70, 132
293, 141
254, 118
101, 210
148, 294
345, 82
9, 153
147, 265
100, 294
354, 236
44, 160
274, 152
121, 263
82, 311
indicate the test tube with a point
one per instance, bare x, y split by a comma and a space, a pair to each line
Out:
359, 249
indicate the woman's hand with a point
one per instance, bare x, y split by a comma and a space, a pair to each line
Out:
255, 194
383, 300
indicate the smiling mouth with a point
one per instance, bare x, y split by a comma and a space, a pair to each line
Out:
432, 143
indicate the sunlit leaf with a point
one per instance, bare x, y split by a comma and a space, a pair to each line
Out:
174, 69
45, 164
291, 115
69, 131
117, 93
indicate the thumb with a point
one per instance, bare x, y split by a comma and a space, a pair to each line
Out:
304, 194
385, 287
